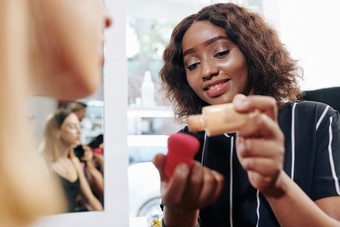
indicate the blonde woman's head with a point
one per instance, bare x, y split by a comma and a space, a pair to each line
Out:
62, 131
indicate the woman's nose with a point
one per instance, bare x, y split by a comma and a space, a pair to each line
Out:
209, 69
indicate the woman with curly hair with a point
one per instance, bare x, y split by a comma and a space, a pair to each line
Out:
281, 168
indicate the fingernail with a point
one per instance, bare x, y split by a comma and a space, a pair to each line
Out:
182, 167
238, 103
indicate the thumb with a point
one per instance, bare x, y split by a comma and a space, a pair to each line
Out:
238, 102
159, 163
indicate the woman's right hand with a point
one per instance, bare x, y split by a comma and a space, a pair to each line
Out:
189, 189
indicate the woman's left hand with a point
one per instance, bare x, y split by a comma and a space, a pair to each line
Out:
260, 143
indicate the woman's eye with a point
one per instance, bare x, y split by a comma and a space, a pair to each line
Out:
193, 66
222, 53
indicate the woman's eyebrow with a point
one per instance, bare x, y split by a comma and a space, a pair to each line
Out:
206, 43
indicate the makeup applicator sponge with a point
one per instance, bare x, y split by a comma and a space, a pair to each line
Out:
181, 148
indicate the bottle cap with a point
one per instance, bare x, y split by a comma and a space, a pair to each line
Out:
196, 123
147, 76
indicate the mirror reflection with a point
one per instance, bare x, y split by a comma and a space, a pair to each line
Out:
68, 121
70, 135
48, 49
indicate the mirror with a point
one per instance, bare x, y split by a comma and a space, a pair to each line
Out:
89, 145
115, 211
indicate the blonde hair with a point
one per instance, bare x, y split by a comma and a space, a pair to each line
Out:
26, 190
76, 106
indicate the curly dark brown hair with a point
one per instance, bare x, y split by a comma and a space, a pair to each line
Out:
271, 69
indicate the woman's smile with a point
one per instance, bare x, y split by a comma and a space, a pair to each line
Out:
215, 67
217, 88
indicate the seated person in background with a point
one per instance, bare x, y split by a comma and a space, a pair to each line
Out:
97, 145
99, 157
61, 133
95, 178
79, 108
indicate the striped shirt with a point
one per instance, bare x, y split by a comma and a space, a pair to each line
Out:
312, 160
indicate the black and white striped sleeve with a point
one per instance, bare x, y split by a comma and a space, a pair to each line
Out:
326, 172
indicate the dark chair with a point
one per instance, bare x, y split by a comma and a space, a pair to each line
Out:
330, 96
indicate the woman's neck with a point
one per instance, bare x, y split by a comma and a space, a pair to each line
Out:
64, 150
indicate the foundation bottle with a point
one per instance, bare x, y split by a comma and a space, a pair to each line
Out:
148, 90
218, 119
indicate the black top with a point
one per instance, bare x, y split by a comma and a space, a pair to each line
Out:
72, 189
312, 160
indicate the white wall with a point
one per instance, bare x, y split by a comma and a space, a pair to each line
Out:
311, 30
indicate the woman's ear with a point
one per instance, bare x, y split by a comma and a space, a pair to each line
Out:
56, 133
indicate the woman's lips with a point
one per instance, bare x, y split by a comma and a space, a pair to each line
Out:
217, 88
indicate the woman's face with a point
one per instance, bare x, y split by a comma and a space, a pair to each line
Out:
80, 113
215, 67
70, 130
75, 39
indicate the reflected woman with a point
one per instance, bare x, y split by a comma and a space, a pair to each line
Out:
62, 131
50, 48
